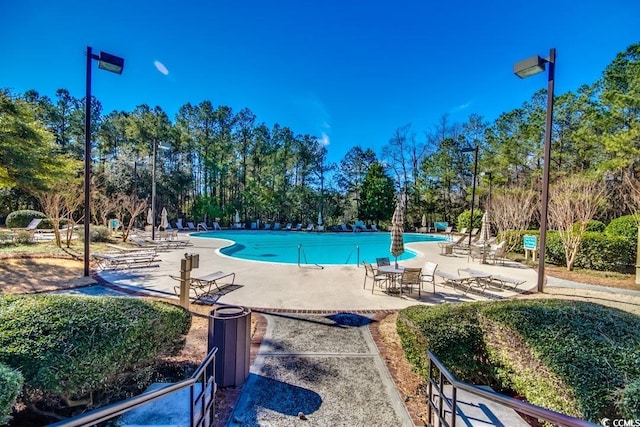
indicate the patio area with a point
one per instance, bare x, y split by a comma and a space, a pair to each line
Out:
310, 287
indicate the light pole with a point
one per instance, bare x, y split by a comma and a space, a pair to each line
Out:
490, 175
523, 69
113, 64
153, 185
473, 191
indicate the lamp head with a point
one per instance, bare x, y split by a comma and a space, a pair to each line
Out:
529, 67
112, 63
468, 149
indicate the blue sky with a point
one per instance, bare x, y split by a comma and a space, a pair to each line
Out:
347, 72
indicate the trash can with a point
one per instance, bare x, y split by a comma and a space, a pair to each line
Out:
230, 331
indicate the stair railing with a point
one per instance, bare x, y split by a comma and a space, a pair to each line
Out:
202, 399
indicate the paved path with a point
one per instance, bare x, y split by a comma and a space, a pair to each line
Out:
323, 368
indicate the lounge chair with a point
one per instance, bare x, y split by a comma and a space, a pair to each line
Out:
447, 248
191, 227
310, 227
374, 227
164, 245
288, 226
372, 273
344, 227
254, 225
298, 227
276, 226
118, 261
216, 226
267, 226
35, 222
129, 250
203, 226
179, 225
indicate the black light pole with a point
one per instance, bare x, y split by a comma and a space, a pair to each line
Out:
115, 65
490, 175
523, 69
473, 191
153, 191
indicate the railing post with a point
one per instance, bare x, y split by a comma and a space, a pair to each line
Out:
440, 400
454, 406
299, 246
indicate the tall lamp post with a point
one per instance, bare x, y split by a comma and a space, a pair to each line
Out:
524, 69
113, 64
490, 175
473, 191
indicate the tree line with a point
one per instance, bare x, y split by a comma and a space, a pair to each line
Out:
212, 161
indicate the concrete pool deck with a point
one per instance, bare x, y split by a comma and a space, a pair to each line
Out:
309, 287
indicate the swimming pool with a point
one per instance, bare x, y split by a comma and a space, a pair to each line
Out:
312, 248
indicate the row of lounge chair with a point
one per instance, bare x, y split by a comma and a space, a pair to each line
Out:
145, 254
202, 226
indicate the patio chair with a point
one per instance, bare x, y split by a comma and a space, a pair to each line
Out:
411, 277
267, 226
151, 244
310, 227
374, 227
203, 226
429, 275
276, 226
35, 222
344, 227
191, 227
179, 225
288, 226
298, 227
383, 261
372, 273
447, 248
497, 252
216, 226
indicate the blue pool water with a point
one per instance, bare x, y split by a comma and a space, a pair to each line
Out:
313, 248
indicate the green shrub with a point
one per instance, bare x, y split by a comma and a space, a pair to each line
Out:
463, 219
515, 238
625, 226
595, 226
10, 386
598, 251
97, 233
573, 357
20, 219
70, 346
24, 237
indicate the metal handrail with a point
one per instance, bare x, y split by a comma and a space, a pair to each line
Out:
108, 412
544, 414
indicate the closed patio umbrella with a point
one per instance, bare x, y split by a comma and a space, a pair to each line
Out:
150, 217
424, 220
164, 221
397, 228
485, 230
319, 218
237, 218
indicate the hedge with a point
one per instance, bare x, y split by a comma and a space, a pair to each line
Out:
22, 218
598, 251
577, 358
625, 226
70, 346
465, 216
10, 386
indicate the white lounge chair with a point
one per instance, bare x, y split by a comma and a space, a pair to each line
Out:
216, 226
203, 226
310, 227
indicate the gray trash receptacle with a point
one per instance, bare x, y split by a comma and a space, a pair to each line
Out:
230, 331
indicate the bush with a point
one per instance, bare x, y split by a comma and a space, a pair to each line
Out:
70, 346
595, 226
10, 386
515, 238
20, 219
463, 219
97, 233
573, 357
598, 251
625, 226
